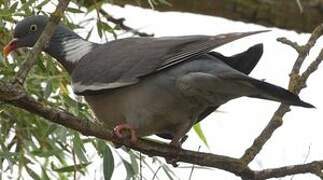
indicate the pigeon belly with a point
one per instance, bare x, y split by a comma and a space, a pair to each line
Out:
156, 104
150, 107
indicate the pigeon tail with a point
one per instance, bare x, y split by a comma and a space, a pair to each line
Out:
279, 94
245, 61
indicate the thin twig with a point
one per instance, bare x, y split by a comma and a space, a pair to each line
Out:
74, 161
155, 174
305, 159
120, 22
140, 165
300, 6
316, 34
286, 41
193, 167
312, 67
42, 42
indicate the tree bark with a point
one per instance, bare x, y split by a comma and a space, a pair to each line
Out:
286, 14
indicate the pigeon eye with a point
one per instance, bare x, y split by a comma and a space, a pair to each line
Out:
33, 27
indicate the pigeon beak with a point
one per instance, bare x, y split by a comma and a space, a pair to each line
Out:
12, 45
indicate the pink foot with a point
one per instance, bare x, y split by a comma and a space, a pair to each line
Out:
119, 129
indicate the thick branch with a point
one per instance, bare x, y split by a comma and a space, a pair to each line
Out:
42, 42
14, 95
278, 13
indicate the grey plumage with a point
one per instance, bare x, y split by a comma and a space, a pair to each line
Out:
157, 85
143, 56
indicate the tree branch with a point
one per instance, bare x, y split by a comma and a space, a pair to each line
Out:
16, 96
296, 84
273, 13
13, 94
120, 22
42, 42
313, 167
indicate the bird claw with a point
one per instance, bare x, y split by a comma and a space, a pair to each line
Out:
119, 130
178, 145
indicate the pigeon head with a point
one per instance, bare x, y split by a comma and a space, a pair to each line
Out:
65, 45
26, 33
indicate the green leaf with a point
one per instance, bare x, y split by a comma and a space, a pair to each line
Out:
106, 27
167, 172
13, 7
79, 148
8, 155
129, 169
198, 130
41, 64
134, 162
32, 173
74, 10
108, 162
89, 34
99, 27
44, 175
4, 13
76, 167
43, 3
46, 153
27, 5
48, 89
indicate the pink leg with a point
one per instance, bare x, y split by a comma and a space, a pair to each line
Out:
119, 129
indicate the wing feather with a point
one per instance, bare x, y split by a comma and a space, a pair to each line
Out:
122, 62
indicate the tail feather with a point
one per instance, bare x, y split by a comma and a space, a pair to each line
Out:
279, 94
243, 62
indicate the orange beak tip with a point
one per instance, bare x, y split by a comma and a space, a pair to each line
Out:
6, 50
9, 47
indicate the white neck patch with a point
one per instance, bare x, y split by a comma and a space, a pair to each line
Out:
75, 49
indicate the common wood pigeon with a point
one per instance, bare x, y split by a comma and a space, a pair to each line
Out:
153, 85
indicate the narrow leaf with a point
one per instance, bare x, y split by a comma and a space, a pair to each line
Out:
167, 172
13, 7
79, 148
77, 167
134, 162
99, 28
74, 10
198, 130
43, 3
32, 173
129, 169
108, 162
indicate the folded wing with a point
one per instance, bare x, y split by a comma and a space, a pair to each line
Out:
123, 62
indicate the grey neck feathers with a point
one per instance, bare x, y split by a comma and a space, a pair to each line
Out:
68, 47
